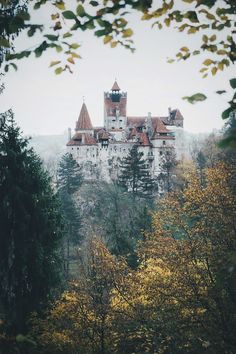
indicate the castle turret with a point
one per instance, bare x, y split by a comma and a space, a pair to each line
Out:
84, 125
115, 109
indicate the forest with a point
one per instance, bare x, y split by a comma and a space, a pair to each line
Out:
95, 267
137, 265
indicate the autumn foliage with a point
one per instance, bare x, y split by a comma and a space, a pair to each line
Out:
180, 299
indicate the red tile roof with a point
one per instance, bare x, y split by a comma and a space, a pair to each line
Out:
157, 123
143, 139
82, 139
115, 87
84, 121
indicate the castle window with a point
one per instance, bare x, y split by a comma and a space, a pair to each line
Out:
112, 127
161, 152
120, 127
164, 142
120, 120
113, 120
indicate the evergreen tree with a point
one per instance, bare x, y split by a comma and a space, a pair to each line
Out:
30, 234
69, 174
69, 180
135, 176
167, 167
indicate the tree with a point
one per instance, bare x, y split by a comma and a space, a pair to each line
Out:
134, 175
167, 168
30, 235
115, 217
181, 297
70, 179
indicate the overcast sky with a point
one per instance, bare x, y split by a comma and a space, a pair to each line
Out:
45, 103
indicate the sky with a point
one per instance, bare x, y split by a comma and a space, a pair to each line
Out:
46, 104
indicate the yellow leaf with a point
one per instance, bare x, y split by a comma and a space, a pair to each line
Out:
208, 62
75, 55
71, 60
107, 39
127, 33
221, 66
114, 44
55, 16
222, 52
60, 5
192, 30
214, 70
184, 49
55, 62
146, 16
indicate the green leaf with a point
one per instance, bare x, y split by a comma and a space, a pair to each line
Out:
67, 34
58, 48
23, 15
58, 70
14, 66
220, 92
213, 38
232, 83
4, 43
69, 15
74, 45
51, 37
80, 10
226, 113
94, 3
198, 97
191, 16
100, 33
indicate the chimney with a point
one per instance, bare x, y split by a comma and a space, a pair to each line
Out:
69, 134
169, 113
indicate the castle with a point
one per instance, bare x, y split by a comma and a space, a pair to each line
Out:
99, 150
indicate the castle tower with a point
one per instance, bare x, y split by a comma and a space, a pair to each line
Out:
115, 101
83, 124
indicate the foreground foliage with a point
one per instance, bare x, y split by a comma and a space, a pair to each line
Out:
30, 234
181, 298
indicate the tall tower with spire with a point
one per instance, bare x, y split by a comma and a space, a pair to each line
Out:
83, 124
115, 102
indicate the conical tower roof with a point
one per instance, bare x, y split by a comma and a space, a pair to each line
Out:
84, 121
115, 87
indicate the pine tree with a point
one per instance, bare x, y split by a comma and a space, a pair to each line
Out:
135, 176
167, 167
69, 174
70, 179
30, 230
